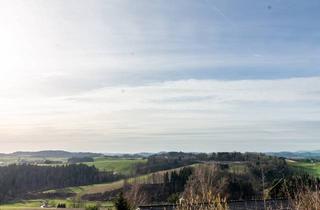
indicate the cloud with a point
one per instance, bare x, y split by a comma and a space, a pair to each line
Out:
158, 75
252, 111
54, 48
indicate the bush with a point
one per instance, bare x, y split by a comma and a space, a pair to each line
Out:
61, 205
173, 198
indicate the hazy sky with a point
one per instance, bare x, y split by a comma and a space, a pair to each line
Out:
151, 75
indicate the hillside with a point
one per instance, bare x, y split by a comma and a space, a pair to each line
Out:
297, 155
161, 177
54, 153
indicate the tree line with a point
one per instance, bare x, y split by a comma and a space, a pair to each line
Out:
18, 180
164, 161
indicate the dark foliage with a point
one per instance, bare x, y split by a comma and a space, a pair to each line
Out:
165, 161
18, 180
121, 203
75, 160
240, 188
61, 205
174, 181
260, 172
290, 185
171, 160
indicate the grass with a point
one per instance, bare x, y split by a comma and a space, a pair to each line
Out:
105, 187
98, 188
35, 204
101, 188
7, 160
119, 165
311, 168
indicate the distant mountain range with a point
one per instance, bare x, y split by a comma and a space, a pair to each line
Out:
66, 154
297, 155
52, 153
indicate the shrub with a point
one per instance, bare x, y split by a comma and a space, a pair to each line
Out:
173, 198
61, 205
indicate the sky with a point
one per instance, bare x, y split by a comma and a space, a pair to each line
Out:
159, 75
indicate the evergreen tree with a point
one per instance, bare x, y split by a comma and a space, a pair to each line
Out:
121, 203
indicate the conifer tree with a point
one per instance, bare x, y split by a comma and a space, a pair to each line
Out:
121, 203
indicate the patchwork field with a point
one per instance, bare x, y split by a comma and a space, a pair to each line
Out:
120, 165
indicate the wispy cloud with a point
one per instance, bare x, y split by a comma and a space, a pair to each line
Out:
210, 110
159, 75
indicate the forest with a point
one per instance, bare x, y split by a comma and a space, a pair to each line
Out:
18, 180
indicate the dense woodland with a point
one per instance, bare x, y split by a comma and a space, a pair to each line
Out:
234, 176
17, 180
75, 160
164, 161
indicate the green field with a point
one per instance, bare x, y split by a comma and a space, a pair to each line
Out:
104, 187
34, 204
312, 168
119, 165
100, 188
7, 160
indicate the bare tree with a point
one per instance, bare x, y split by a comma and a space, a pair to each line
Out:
136, 196
203, 190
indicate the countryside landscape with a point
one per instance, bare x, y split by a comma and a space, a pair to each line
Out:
160, 104
30, 180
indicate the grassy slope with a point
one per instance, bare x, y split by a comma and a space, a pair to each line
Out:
312, 168
104, 187
123, 166
120, 165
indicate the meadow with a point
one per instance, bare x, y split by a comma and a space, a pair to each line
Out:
312, 168
120, 165
52, 203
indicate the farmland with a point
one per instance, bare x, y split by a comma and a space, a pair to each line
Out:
36, 203
120, 165
312, 168
164, 175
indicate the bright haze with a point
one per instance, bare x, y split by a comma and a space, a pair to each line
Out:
160, 75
